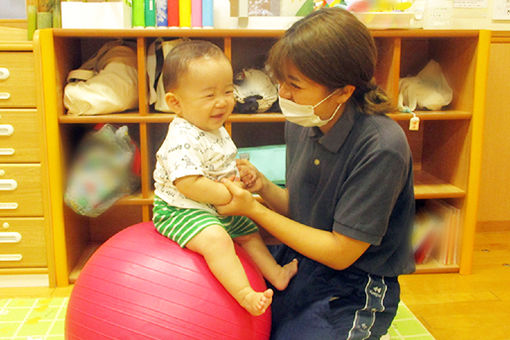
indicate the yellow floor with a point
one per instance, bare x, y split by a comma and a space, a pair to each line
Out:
466, 307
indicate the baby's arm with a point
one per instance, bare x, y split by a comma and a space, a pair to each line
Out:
203, 189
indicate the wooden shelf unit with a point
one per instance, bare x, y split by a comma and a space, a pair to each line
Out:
445, 149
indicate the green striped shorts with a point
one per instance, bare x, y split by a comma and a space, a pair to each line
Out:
182, 224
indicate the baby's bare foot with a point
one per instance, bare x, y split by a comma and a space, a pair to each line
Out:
256, 303
286, 274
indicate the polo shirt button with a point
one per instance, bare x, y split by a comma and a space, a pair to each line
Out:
316, 161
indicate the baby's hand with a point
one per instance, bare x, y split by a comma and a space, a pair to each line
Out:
237, 181
248, 173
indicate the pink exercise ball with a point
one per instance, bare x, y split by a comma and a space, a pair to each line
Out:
141, 285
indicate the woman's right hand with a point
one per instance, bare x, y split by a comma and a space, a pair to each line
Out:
252, 178
242, 202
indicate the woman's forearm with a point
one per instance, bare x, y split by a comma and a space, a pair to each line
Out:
275, 197
329, 248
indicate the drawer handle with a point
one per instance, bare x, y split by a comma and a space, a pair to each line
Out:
10, 257
10, 237
4, 73
8, 205
5, 95
8, 184
6, 130
7, 151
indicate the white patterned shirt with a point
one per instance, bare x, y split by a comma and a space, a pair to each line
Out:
188, 150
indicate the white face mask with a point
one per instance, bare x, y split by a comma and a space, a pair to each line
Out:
304, 115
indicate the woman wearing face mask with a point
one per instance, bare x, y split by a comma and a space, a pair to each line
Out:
347, 211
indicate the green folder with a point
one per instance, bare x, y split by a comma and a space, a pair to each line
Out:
268, 159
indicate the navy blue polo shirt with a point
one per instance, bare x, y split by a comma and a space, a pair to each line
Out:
357, 180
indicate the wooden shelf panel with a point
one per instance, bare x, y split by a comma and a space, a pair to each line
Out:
269, 117
436, 267
242, 33
106, 118
433, 115
87, 253
136, 199
427, 186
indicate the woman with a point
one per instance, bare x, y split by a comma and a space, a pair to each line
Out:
347, 211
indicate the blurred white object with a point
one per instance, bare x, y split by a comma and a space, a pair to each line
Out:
388, 20
427, 90
224, 20
99, 15
438, 14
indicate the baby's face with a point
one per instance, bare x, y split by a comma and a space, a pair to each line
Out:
206, 93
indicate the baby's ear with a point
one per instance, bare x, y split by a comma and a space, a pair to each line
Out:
173, 102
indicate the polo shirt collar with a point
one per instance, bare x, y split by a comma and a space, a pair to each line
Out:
335, 138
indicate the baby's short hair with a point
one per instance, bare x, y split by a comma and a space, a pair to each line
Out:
177, 61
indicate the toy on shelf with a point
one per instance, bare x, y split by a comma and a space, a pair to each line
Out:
254, 91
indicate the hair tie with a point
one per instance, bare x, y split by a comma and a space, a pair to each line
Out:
371, 86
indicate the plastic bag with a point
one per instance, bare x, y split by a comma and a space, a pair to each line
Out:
106, 168
106, 83
427, 90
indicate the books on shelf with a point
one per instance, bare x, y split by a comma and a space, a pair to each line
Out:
138, 15
172, 13
150, 13
185, 13
436, 233
161, 13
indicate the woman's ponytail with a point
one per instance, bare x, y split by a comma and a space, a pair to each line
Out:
375, 101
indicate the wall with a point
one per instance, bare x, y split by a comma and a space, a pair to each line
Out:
494, 205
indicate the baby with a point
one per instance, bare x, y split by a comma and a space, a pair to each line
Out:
195, 155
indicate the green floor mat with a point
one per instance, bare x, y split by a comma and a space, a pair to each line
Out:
43, 319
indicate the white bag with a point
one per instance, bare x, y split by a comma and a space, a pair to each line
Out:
428, 90
156, 53
106, 83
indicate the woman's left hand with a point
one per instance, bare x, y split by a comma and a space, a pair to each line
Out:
242, 202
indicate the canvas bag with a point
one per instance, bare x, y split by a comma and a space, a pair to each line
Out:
106, 83
156, 54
